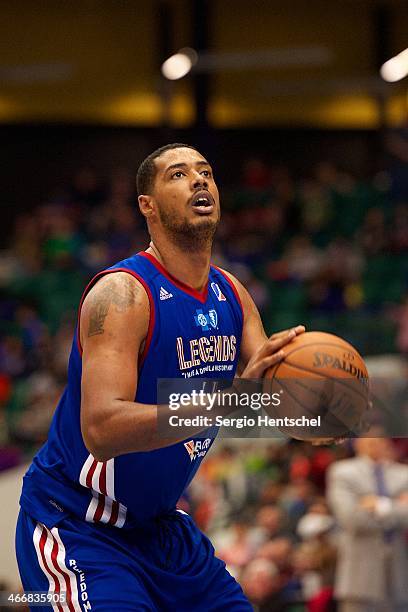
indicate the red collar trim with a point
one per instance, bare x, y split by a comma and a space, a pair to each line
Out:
201, 296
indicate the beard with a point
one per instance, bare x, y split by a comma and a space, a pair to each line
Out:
189, 236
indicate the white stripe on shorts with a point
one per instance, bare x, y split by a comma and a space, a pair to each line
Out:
61, 555
60, 578
38, 531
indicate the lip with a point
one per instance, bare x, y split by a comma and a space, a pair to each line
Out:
201, 194
205, 209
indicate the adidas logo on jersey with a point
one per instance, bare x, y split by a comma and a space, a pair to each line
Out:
165, 295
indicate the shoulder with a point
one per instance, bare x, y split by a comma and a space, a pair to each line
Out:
399, 468
344, 467
120, 288
117, 300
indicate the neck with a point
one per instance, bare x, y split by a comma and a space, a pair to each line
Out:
191, 268
373, 459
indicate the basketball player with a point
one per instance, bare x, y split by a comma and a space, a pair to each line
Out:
99, 519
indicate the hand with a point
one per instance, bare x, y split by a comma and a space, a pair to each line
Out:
369, 503
270, 352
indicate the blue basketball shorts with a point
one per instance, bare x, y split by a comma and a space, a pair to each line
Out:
168, 566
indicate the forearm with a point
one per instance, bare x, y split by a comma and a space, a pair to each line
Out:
125, 427
353, 514
355, 519
111, 423
393, 513
345, 504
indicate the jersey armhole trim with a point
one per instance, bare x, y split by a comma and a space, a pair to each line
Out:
152, 315
233, 287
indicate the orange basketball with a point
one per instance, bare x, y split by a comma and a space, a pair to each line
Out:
322, 376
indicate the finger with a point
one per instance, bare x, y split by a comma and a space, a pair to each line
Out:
280, 334
339, 441
258, 370
299, 329
274, 344
271, 360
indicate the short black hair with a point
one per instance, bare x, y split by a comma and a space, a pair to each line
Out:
147, 170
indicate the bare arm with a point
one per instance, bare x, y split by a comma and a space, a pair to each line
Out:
114, 322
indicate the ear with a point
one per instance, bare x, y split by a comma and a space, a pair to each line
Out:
146, 205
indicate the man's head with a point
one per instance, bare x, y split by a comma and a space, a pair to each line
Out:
260, 579
178, 196
270, 518
377, 447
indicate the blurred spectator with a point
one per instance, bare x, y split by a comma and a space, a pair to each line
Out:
296, 499
369, 497
270, 521
402, 336
256, 175
316, 207
373, 235
301, 261
314, 563
261, 583
41, 397
314, 525
240, 548
399, 229
278, 550
86, 188
397, 144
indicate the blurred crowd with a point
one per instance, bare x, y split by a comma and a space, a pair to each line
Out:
327, 250
278, 523
264, 507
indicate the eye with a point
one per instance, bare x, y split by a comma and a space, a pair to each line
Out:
206, 173
177, 174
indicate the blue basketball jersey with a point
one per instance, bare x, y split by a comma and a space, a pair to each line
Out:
190, 334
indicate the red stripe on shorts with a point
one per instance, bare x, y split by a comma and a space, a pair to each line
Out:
43, 540
68, 591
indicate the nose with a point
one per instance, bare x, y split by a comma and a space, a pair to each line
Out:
199, 181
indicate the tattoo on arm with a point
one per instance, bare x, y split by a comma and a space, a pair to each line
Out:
97, 315
119, 292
